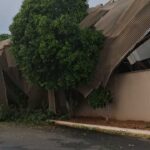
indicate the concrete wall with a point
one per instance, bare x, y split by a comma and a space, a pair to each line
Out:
131, 93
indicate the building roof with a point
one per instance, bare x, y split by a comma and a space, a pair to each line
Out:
6, 58
4, 44
125, 23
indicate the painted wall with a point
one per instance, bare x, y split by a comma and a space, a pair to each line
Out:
131, 93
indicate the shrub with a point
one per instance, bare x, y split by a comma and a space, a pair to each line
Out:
21, 115
100, 98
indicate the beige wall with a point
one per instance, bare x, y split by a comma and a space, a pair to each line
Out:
131, 93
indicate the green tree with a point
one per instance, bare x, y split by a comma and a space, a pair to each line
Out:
50, 48
4, 37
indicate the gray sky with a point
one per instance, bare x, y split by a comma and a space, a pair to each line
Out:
8, 9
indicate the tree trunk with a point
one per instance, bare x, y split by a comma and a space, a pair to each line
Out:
52, 101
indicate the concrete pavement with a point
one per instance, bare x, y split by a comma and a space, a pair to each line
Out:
14, 137
106, 129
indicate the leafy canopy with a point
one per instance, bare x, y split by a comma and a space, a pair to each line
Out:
50, 48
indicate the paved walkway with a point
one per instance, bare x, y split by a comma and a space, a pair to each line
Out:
60, 138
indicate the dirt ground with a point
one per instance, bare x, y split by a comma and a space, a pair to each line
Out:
114, 123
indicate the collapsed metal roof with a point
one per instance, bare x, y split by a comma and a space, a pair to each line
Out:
4, 44
125, 23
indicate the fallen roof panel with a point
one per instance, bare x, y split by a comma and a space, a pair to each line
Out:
124, 26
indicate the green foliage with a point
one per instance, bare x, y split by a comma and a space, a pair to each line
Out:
8, 114
100, 98
50, 48
4, 37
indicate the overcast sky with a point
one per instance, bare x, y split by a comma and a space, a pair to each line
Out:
8, 9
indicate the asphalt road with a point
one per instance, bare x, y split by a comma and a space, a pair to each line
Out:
14, 137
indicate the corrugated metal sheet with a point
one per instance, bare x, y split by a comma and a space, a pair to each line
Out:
96, 14
124, 26
4, 44
141, 53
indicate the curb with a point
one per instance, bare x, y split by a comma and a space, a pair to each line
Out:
106, 129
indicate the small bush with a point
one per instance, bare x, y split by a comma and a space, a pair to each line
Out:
7, 114
12, 114
99, 98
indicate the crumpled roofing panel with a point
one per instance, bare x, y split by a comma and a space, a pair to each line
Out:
4, 44
95, 15
5, 56
124, 26
3, 93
